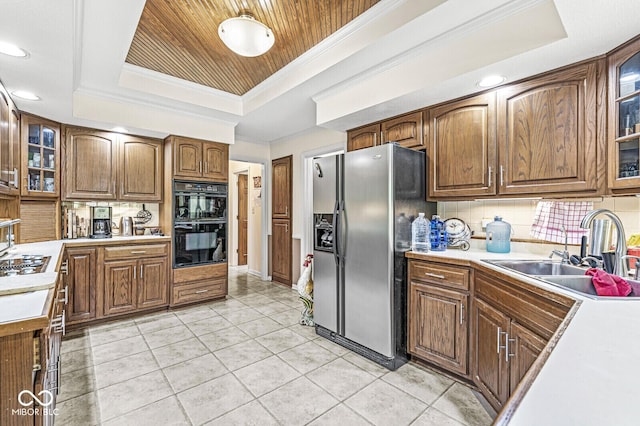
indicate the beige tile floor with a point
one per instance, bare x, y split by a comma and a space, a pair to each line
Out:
243, 361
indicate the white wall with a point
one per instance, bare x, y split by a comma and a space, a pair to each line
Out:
256, 205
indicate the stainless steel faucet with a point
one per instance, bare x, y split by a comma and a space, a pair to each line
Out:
620, 267
565, 255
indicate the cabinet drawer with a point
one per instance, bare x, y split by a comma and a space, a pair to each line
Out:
138, 251
437, 273
182, 276
199, 291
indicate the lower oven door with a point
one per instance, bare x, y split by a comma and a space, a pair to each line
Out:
199, 243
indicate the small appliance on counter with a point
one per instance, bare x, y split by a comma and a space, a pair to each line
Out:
100, 222
126, 226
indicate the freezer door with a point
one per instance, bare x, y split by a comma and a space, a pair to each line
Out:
325, 183
325, 290
368, 249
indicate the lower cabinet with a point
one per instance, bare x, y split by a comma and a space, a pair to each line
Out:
281, 267
511, 326
81, 282
439, 315
198, 283
131, 285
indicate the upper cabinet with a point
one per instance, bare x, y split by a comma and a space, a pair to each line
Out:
130, 167
198, 159
406, 130
547, 133
462, 147
624, 117
9, 145
40, 157
281, 173
363, 137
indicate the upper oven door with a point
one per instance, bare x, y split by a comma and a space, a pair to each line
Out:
196, 206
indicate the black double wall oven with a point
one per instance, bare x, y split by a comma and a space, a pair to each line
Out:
199, 223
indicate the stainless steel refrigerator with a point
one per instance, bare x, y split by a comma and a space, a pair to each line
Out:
363, 204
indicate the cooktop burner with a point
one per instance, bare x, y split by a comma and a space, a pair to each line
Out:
25, 265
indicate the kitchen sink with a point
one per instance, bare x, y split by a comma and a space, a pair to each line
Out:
539, 267
569, 277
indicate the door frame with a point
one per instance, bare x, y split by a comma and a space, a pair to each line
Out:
266, 209
237, 219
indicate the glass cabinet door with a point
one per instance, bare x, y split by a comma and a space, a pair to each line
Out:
626, 122
42, 157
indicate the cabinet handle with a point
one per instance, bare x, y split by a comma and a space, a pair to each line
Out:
507, 354
501, 175
64, 268
286, 210
141, 272
206, 167
135, 270
201, 167
139, 252
461, 313
65, 290
499, 334
201, 291
14, 182
59, 323
286, 227
440, 277
489, 180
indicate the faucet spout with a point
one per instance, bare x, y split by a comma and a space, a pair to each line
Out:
620, 267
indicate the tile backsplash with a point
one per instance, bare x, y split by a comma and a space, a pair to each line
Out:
520, 213
119, 209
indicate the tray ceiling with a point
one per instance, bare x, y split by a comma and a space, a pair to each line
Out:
180, 37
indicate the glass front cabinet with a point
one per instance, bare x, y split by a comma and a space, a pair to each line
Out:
624, 117
40, 157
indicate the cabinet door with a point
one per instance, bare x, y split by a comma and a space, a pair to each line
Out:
364, 137
40, 157
81, 284
5, 143
120, 290
438, 326
490, 369
15, 150
547, 133
90, 164
405, 130
281, 251
216, 160
526, 346
187, 158
462, 148
281, 194
140, 172
624, 117
152, 283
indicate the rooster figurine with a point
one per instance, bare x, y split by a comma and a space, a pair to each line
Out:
305, 289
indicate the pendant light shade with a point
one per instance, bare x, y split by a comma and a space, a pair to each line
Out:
246, 36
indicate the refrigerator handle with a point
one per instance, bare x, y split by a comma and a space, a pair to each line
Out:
336, 231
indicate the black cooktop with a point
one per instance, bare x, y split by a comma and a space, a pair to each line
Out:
25, 265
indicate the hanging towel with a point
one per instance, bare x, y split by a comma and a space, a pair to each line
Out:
552, 215
608, 284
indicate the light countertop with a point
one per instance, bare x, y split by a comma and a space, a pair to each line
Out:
590, 376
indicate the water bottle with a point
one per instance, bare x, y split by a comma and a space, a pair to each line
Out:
419, 229
437, 234
498, 236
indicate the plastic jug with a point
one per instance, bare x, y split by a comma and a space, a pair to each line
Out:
437, 234
419, 230
498, 236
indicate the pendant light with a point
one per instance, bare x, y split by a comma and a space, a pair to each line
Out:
245, 35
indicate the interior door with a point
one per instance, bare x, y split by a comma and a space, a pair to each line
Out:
243, 221
281, 172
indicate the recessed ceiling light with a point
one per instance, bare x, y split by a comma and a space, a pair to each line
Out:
12, 50
24, 94
120, 129
492, 80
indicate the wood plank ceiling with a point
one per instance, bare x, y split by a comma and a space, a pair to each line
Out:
180, 37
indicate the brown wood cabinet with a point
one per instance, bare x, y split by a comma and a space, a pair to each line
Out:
511, 324
406, 130
140, 169
138, 282
281, 265
9, 145
130, 167
363, 137
40, 155
439, 314
90, 164
462, 148
81, 283
198, 283
198, 159
547, 133
624, 118
281, 174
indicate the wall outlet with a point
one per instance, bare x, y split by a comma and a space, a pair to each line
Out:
485, 222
